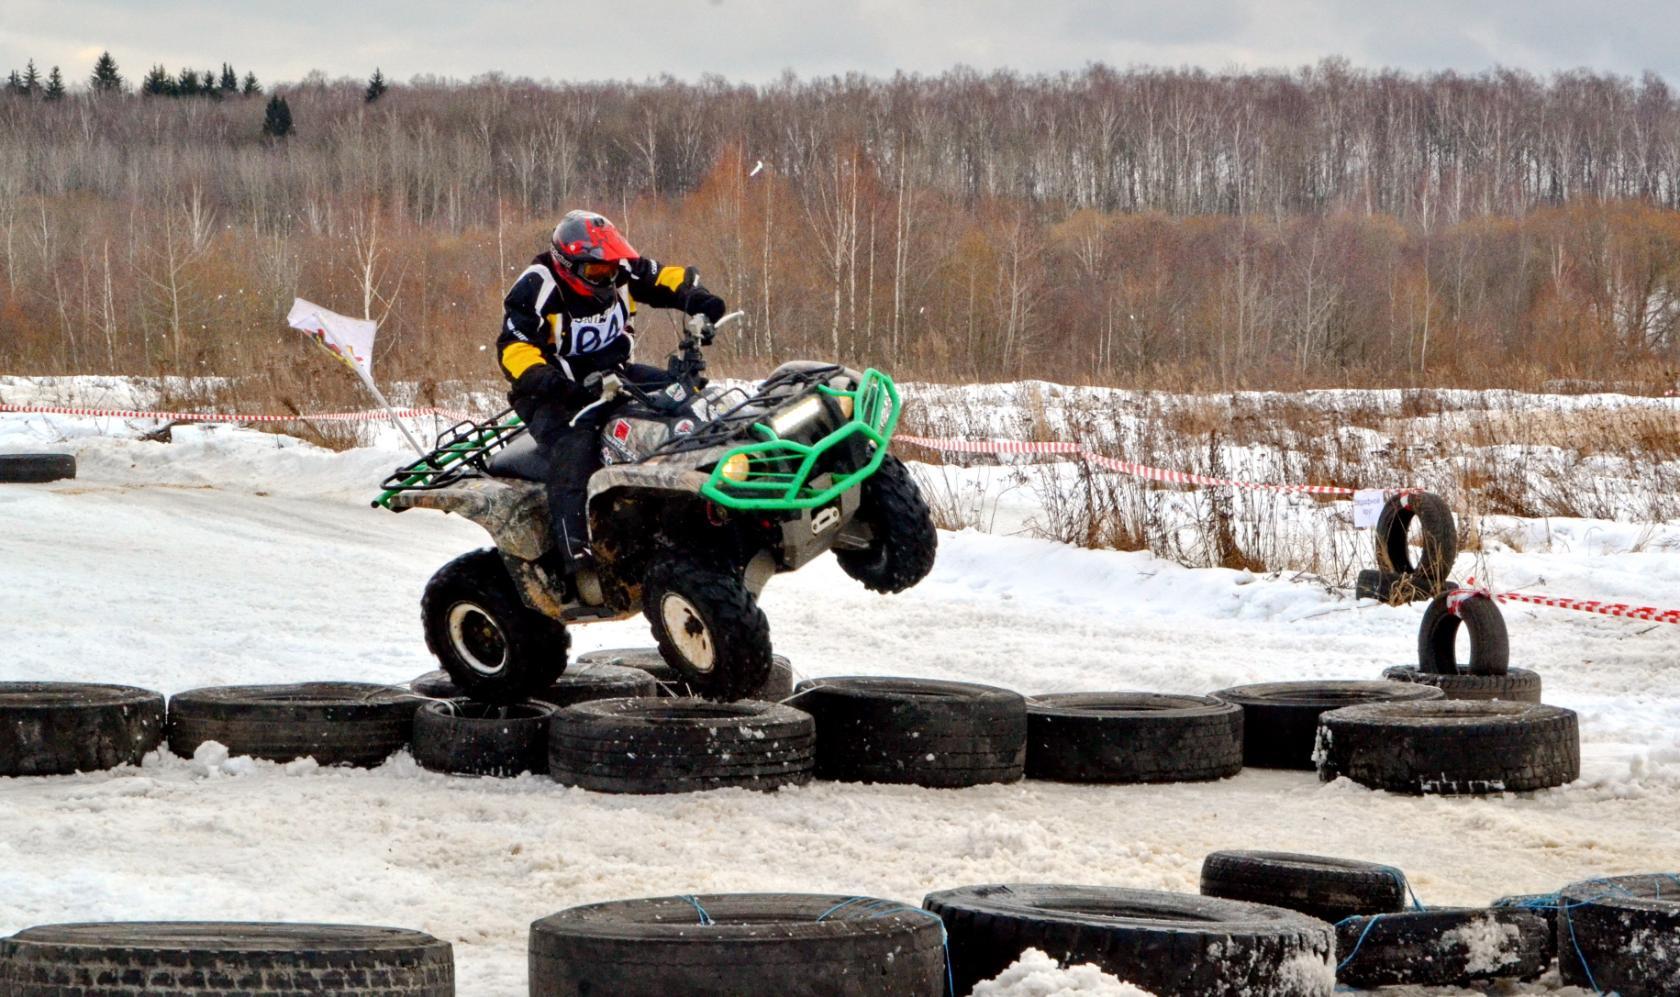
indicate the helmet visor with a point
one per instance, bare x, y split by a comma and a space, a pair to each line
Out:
597, 271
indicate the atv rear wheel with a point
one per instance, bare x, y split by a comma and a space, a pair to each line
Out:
709, 627
901, 553
494, 647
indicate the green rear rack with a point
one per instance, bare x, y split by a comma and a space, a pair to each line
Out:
779, 472
463, 449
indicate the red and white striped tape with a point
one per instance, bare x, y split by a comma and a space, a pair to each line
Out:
1620, 610
369, 415
1123, 467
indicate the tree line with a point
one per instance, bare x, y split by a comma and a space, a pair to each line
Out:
1326, 225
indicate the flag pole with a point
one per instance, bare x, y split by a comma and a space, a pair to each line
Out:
379, 397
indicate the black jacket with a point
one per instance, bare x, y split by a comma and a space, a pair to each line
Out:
552, 337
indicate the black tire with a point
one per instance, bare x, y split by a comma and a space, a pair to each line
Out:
1170, 944
1490, 644
763, 943
1132, 737
495, 648
1374, 583
668, 681
1543, 904
36, 468
335, 723
1438, 543
1280, 719
916, 731
1446, 747
582, 681
1442, 947
201, 959
905, 543
1517, 685
652, 745
1621, 935
708, 626
56, 728
1329, 889
467, 738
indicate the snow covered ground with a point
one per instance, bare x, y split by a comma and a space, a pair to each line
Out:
231, 556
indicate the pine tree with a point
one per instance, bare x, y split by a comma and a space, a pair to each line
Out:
251, 88
105, 78
187, 84
31, 80
55, 85
158, 83
376, 86
14, 83
207, 84
229, 83
277, 119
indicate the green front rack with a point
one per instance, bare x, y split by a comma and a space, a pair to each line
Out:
779, 472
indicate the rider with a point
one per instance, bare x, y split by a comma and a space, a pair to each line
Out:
567, 323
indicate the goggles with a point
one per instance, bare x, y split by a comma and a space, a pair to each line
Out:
597, 271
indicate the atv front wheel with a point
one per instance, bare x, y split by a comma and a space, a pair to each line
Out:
709, 627
494, 647
901, 554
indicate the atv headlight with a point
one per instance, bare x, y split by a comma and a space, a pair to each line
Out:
735, 468
787, 423
846, 405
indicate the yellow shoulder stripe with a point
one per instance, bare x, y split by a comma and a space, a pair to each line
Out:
671, 277
520, 357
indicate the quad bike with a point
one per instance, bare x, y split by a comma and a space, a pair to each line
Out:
706, 492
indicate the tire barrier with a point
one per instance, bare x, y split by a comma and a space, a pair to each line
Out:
1517, 685
916, 731
1329, 889
1490, 644
57, 728
1543, 904
36, 468
335, 723
669, 682
757, 943
1132, 737
466, 738
1453, 748
1280, 719
1444, 947
1621, 935
213, 958
652, 745
1438, 538
581, 682
1170, 944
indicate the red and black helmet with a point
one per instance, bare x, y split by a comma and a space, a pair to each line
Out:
589, 253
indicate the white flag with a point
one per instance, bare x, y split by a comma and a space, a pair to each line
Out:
350, 339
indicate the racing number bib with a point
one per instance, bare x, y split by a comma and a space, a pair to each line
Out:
596, 332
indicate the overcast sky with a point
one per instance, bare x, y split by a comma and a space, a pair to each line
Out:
755, 40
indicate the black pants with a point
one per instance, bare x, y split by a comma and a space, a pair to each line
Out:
573, 454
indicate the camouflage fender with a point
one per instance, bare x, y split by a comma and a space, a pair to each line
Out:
654, 475
514, 512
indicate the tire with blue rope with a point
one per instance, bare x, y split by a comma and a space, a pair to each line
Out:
1320, 886
1621, 935
743, 943
1449, 947
1170, 944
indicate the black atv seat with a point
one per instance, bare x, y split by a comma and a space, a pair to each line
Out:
521, 459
